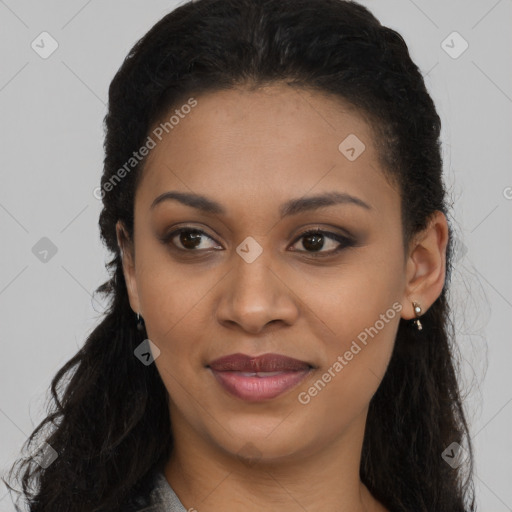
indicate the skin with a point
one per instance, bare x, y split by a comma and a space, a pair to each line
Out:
251, 151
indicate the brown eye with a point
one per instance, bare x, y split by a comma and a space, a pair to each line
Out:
188, 239
314, 241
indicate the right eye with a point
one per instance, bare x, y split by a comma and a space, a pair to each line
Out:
188, 239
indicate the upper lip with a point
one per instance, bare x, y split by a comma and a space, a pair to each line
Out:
263, 363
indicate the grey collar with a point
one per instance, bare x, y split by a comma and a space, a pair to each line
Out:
163, 498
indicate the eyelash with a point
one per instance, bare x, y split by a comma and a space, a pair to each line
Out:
345, 242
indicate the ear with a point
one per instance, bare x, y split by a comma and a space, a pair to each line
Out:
126, 248
426, 266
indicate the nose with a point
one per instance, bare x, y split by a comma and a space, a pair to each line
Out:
256, 296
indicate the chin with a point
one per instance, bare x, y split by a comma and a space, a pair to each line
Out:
264, 440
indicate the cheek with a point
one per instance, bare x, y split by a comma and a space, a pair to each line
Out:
172, 298
348, 300
359, 327
354, 362
355, 314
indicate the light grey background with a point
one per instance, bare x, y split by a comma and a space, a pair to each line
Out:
51, 160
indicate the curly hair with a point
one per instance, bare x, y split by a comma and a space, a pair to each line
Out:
109, 422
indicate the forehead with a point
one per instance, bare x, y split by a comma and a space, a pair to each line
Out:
264, 145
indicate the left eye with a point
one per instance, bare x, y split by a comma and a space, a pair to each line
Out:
316, 240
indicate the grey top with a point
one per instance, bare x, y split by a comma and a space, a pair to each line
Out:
163, 498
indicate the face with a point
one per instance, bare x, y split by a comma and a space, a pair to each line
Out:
228, 265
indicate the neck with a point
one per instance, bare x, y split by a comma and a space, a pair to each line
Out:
325, 478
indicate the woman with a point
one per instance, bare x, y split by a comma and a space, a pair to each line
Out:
279, 335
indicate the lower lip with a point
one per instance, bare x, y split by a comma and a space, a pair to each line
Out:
257, 389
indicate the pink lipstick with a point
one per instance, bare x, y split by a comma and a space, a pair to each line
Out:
258, 378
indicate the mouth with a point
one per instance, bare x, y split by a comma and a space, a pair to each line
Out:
260, 378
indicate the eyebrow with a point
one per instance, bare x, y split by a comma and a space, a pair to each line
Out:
291, 207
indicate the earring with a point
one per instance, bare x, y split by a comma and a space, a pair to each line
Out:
417, 312
140, 323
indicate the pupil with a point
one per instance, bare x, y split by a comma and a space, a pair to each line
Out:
187, 239
317, 242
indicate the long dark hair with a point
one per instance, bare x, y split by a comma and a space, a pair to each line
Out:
110, 422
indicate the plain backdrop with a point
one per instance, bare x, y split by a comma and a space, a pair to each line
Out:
51, 137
